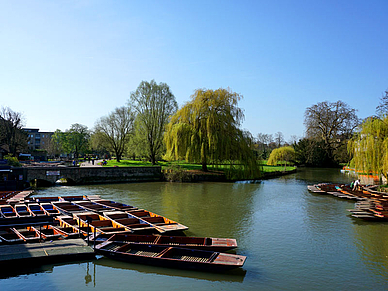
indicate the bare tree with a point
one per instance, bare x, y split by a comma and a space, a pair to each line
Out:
279, 139
113, 131
382, 109
13, 138
331, 122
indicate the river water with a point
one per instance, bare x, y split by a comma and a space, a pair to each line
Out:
293, 239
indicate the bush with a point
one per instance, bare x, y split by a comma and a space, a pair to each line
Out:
12, 161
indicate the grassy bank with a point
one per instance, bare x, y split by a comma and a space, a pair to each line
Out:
188, 166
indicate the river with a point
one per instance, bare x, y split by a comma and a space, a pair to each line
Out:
293, 239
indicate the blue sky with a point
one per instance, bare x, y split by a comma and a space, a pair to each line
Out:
65, 62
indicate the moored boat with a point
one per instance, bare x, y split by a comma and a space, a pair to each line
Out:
9, 236
23, 210
200, 243
48, 232
171, 257
67, 208
68, 221
161, 223
36, 209
50, 209
132, 222
28, 234
7, 211
116, 205
99, 223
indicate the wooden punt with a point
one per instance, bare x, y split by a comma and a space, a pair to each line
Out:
48, 232
68, 221
7, 211
67, 231
130, 221
28, 234
92, 206
44, 199
99, 223
67, 208
23, 210
9, 236
161, 223
171, 257
199, 243
116, 205
36, 209
50, 209
73, 198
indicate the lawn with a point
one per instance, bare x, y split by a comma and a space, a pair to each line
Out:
186, 166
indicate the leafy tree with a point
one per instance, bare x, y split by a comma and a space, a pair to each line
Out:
74, 140
369, 146
311, 153
113, 131
281, 155
154, 104
206, 129
331, 123
263, 141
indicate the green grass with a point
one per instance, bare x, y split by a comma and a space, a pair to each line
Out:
186, 166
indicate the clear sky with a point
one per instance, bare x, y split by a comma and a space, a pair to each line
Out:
65, 62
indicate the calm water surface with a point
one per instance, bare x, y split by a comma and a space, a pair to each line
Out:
294, 240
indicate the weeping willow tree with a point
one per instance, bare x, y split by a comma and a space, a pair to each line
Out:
369, 146
206, 130
282, 155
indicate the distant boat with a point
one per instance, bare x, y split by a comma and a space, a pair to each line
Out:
171, 257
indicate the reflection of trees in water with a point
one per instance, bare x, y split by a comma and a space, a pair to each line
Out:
209, 209
371, 240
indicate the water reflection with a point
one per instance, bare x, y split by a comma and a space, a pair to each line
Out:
230, 276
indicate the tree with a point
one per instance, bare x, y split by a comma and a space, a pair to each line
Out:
311, 152
331, 123
282, 155
279, 139
206, 129
113, 131
154, 104
382, 109
369, 146
262, 142
13, 139
74, 140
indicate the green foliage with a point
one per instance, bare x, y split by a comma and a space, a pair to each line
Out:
73, 141
12, 161
206, 130
312, 153
369, 147
281, 155
154, 104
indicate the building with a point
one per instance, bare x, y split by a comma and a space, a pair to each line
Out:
37, 139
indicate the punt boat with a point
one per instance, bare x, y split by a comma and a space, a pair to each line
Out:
48, 232
66, 221
171, 257
116, 205
23, 210
36, 209
128, 220
99, 223
199, 243
9, 236
67, 208
7, 211
50, 209
92, 206
161, 223
28, 234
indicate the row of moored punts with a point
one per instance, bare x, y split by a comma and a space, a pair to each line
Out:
117, 230
370, 204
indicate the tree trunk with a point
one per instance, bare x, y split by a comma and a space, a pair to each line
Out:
204, 167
